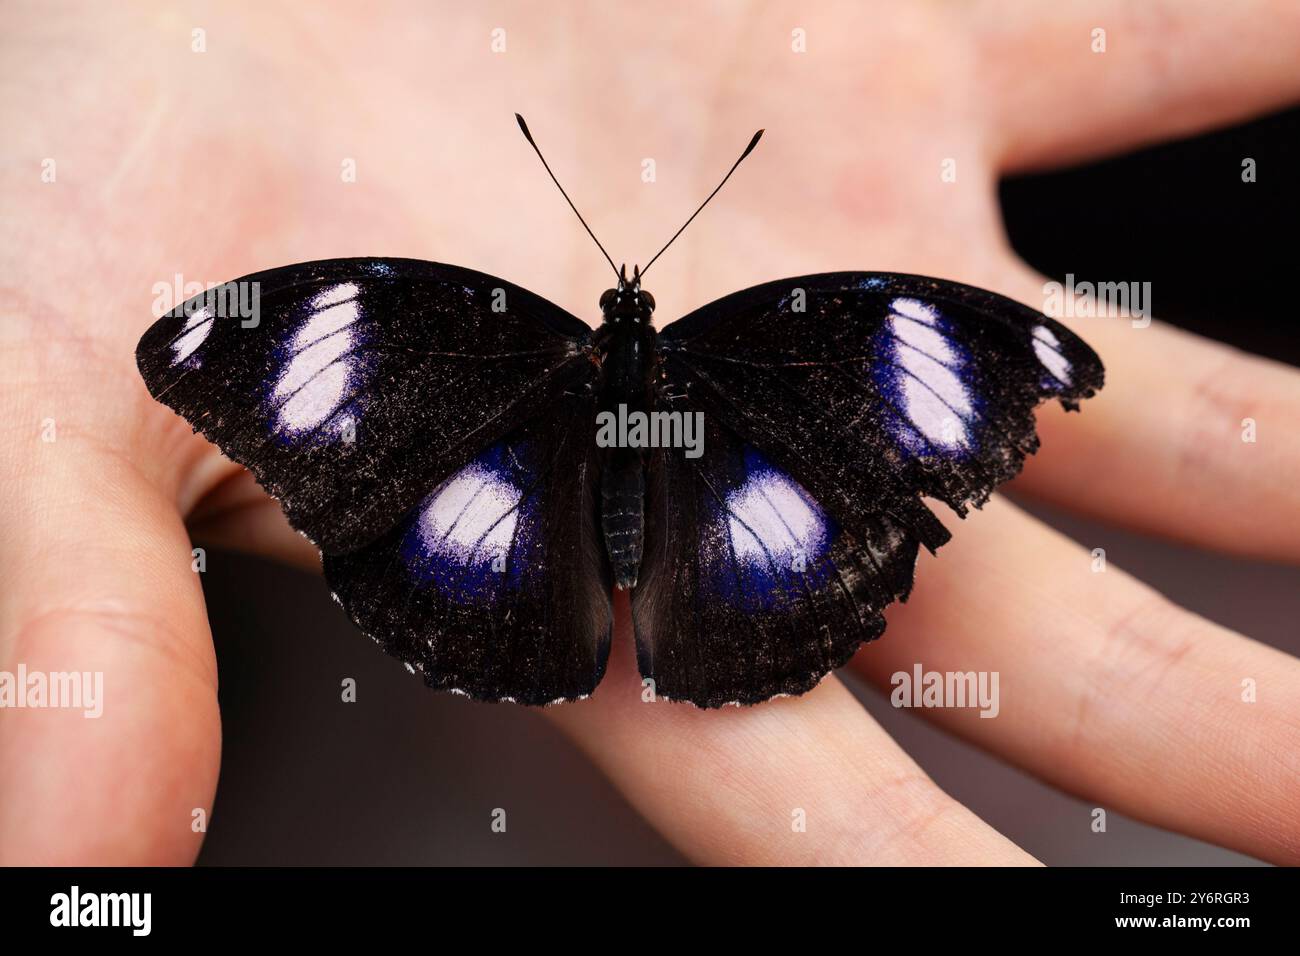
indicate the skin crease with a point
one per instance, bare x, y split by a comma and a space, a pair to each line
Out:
220, 163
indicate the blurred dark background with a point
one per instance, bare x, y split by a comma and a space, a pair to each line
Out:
1215, 249
405, 776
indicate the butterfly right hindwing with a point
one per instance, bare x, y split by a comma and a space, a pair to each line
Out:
750, 587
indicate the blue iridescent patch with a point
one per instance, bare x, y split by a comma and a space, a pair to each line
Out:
769, 542
469, 538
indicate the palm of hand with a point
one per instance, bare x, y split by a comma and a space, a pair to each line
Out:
220, 163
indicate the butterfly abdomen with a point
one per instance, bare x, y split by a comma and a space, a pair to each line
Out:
622, 513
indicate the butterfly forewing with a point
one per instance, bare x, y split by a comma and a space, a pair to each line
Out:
350, 387
917, 385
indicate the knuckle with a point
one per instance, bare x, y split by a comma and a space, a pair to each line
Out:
70, 633
1133, 654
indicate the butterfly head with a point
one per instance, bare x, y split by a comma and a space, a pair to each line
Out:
627, 302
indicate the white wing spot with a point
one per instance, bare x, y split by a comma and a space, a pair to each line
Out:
933, 395
326, 322
916, 309
316, 379
198, 326
334, 295
1046, 347
473, 516
770, 520
923, 338
310, 362
315, 401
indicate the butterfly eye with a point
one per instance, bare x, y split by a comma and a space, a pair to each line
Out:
648, 299
607, 299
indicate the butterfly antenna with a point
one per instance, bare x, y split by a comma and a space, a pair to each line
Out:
748, 149
529, 136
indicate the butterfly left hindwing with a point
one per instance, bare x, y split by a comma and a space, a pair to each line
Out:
496, 584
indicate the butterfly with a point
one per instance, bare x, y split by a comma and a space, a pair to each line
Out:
447, 439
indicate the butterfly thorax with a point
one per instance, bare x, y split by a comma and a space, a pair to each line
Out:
626, 342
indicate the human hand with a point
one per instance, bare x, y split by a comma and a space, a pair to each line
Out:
219, 163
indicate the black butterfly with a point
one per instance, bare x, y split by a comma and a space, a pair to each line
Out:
434, 431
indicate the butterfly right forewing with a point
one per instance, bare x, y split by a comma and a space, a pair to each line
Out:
881, 387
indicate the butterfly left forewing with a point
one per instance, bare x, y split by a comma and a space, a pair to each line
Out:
349, 387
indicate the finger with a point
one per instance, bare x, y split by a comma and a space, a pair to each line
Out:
1189, 439
726, 786
792, 781
730, 786
1168, 68
1106, 689
96, 575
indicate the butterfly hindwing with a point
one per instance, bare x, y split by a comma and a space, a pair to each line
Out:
349, 387
749, 587
496, 583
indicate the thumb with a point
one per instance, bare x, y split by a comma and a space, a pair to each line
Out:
116, 762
